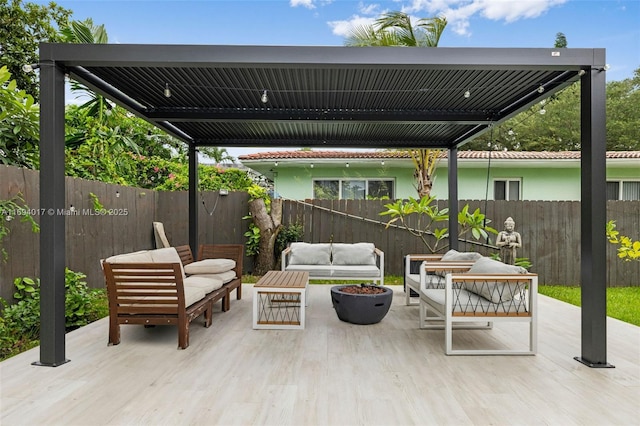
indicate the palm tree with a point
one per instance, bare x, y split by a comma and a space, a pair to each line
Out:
396, 29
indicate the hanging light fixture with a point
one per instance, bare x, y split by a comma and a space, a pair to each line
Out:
167, 91
467, 94
264, 98
541, 89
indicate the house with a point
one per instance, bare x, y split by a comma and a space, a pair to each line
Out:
495, 175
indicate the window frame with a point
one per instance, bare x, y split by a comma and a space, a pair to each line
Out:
354, 178
507, 181
621, 182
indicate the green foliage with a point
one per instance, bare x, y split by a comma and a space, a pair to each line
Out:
24, 26
252, 246
622, 302
19, 124
288, 234
524, 262
97, 205
20, 322
628, 249
430, 221
9, 210
559, 128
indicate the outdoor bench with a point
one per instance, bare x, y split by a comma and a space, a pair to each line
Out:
154, 287
336, 261
488, 292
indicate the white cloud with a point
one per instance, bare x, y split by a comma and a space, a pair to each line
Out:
460, 12
306, 3
369, 9
343, 28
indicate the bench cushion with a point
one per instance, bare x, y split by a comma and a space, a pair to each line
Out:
330, 271
208, 283
167, 255
310, 254
225, 277
468, 302
210, 266
353, 254
432, 281
142, 256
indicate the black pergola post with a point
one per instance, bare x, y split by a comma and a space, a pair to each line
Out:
52, 207
593, 219
453, 198
193, 199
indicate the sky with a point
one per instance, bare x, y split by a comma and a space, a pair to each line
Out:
610, 24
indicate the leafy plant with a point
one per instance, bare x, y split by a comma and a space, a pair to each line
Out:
252, 246
97, 205
524, 262
19, 124
20, 322
429, 221
9, 210
628, 249
288, 234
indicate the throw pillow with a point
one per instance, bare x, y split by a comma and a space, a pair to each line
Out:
495, 291
454, 255
310, 254
353, 254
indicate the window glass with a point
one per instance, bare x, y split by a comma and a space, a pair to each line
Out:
631, 190
326, 189
500, 190
353, 189
613, 190
514, 190
380, 189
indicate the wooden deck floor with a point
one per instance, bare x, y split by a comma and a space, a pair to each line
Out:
331, 373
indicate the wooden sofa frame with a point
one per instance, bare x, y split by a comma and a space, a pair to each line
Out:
153, 293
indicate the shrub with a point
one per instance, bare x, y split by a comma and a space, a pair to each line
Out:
20, 322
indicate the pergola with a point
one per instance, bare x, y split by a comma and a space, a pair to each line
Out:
341, 97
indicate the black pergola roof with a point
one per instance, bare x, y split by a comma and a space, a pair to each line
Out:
341, 97
323, 96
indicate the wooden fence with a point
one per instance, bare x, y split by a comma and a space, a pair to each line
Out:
550, 230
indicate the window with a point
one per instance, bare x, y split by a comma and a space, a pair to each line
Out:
623, 190
352, 189
507, 189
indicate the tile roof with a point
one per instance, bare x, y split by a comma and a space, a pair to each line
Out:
479, 155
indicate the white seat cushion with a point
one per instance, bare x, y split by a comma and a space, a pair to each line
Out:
225, 277
353, 254
210, 266
208, 284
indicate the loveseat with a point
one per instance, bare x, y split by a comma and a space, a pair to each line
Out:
457, 291
154, 287
336, 261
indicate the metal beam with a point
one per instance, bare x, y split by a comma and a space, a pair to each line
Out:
52, 227
213, 115
453, 198
593, 207
193, 199
337, 57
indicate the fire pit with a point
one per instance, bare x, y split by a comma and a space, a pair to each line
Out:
361, 304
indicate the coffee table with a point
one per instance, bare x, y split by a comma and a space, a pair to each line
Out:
279, 300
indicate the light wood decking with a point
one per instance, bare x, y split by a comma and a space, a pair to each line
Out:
331, 373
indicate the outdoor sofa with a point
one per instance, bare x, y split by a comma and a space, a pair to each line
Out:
336, 261
462, 293
163, 287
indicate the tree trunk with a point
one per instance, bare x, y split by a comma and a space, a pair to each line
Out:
269, 225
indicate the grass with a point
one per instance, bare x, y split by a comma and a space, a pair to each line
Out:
623, 303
